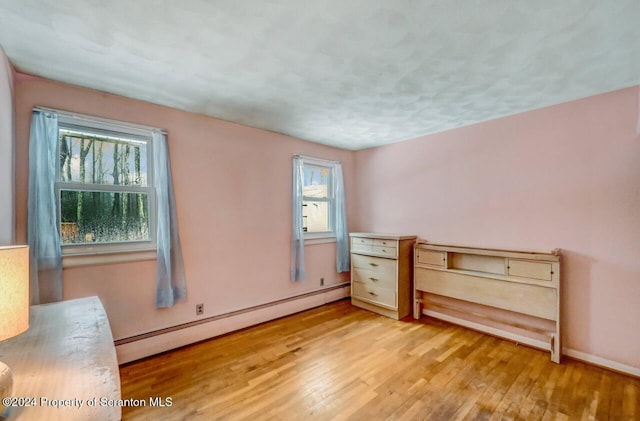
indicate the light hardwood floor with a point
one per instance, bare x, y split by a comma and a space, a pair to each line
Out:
341, 362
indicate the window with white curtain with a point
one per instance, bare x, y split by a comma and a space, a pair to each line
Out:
318, 200
318, 211
97, 186
104, 185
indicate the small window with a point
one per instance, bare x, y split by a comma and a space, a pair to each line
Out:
317, 200
104, 185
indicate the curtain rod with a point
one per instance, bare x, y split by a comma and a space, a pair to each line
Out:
316, 158
95, 119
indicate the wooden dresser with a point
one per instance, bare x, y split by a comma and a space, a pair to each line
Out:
64, 361
381, 273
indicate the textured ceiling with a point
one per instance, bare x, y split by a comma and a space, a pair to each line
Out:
349, 73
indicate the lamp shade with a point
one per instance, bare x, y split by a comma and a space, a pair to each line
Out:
14, 291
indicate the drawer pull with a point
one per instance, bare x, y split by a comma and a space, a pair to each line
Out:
373, 279
372, 293
373, 264
384, 250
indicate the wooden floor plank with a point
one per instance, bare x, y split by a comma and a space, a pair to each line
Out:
631, 399
341, 362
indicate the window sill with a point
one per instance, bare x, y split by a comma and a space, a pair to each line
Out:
95, 259
321, 240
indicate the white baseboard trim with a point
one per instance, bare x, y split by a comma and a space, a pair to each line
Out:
155, 344
601, 362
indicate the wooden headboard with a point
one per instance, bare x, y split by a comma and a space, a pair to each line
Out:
485, 288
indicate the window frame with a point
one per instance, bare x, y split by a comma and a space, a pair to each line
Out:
120, 132
330, 199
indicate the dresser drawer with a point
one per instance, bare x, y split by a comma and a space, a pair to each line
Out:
373, 278
361, 241
384, 268
385, 243
385, 250
361, 245
382, 296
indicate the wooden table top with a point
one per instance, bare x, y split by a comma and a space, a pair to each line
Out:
62, 363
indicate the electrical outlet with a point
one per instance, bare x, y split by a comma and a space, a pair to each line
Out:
199, 309
321, 281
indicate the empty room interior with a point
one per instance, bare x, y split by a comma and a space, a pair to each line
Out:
298, 210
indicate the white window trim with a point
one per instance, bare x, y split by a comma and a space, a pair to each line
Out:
319, 240
311, 238
106, 258
141, 249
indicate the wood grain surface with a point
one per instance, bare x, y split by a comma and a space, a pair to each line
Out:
342, 362
63, 361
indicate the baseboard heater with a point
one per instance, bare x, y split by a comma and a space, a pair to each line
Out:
159, 332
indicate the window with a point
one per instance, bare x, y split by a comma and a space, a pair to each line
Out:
317, 200
104, 184
318, 211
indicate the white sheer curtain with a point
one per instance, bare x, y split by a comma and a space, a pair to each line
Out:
638, 127
342, 244
297, 235
170, 279
43, 231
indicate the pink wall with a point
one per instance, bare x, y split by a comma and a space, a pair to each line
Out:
6, 151
235, 257
566, 176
